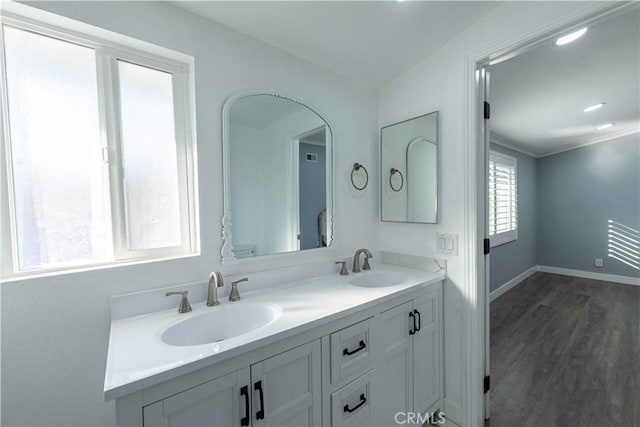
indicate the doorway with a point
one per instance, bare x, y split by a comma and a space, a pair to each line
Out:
309, 189
523, 174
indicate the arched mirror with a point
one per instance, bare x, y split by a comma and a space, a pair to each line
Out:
277, 177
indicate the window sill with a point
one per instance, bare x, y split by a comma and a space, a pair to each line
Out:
503, 238
29, 275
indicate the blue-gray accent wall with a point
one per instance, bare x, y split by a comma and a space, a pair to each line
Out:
579, 192
566, 203
313, 194
512, 258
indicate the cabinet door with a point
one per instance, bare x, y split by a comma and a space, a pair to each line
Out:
287, 388
395, 374
215, 403
426, 352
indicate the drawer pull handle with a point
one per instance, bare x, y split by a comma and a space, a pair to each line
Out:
413, 318
260, 413
417, 313
244, 392
362, 346
363, 400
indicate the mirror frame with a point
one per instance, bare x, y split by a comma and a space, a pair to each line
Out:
226, 250
438, 183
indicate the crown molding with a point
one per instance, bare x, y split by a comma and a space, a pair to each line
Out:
506, 143
602, 138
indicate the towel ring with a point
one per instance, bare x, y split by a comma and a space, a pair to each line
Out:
357, 167
393, 172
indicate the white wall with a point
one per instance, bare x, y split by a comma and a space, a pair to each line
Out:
55, 329
438, 83
247, 186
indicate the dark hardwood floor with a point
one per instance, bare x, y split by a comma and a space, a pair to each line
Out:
565, 351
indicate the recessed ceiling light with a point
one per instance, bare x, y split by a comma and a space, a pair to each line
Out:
608, 125
571, 37
594, 107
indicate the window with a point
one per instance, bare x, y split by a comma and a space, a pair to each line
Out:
503, 198
99, 152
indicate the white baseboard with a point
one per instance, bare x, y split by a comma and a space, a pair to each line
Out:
626, 280
512, 283
453, 412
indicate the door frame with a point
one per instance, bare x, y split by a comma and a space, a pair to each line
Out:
475, 283
294, 236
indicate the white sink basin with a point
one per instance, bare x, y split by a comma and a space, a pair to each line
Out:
221, 323
376, 279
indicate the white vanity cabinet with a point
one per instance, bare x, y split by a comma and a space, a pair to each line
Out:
427, 366
359, 369
287, 388
411, 356
213, 403
284, 390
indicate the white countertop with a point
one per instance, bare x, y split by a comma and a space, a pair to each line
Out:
138, 358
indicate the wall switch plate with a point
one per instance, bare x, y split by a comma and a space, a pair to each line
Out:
599, 262
447, 243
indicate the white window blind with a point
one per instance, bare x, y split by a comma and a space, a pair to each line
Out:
503, 198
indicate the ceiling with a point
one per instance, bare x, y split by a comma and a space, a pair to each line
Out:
316, 138
367, 41
537, 98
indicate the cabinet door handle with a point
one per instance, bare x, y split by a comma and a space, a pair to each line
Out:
413, 318
260, 413
362, 346
363, 400
244, 392
417, 316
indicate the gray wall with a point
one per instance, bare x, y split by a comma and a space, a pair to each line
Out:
579, 191
511, 259
313, 195
565, 203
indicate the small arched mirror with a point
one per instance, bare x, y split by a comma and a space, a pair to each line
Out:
277, 175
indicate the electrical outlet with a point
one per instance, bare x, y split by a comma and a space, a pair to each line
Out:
599, 262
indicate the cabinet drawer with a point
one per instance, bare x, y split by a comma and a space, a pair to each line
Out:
352, 404
351, 352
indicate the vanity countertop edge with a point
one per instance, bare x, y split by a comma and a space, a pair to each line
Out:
137, 357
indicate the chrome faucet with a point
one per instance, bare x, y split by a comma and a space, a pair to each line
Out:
356, 260
215, 282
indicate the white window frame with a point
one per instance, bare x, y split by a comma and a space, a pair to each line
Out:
498, 239
109, 48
